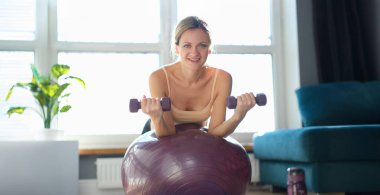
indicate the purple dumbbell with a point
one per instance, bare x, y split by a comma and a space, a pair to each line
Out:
135, 105
261, 100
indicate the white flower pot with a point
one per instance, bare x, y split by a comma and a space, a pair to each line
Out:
48, 134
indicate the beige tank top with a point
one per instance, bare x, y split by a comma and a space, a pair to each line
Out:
196, 116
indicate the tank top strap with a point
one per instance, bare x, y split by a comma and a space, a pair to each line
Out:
213, 85
167, 79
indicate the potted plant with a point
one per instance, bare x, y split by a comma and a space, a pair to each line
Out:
48, 91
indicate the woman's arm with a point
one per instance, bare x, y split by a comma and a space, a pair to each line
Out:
162, 121
218, 125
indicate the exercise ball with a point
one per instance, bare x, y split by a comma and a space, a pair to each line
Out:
189, 162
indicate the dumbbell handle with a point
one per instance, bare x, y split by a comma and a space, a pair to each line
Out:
261, 100
135, 105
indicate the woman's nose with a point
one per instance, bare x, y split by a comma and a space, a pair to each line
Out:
194, 50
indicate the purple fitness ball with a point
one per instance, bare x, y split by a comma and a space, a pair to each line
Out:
189, 162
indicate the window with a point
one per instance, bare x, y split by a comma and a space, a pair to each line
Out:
17, 19
15, 67
121, 21
115, 44
111, 80
250, 72
17, 32
243, 22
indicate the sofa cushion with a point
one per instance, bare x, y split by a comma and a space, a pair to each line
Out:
341, 103
320, 143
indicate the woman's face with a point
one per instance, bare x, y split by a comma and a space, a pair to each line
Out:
193, 48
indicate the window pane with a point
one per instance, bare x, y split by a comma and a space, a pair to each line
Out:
14, 68
250, 73
238, 22
17, 19
112, 79
109, 21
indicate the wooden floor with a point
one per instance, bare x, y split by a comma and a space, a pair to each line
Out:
266, 190
284, 193
257, 189
263, 192
269, 193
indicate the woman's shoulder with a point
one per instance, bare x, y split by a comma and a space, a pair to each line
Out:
156, 75
223, 82
160, 72
160, 76
223, 74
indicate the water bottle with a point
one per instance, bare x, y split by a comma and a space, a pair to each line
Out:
296, 181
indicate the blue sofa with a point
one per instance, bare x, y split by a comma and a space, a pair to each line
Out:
338, 145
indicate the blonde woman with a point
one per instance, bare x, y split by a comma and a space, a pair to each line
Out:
198, 92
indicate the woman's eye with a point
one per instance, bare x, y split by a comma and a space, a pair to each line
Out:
204, 45
186, 46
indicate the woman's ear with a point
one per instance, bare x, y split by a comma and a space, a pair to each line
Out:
209, 51
176, 49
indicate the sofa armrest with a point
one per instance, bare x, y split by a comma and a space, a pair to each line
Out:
321, 143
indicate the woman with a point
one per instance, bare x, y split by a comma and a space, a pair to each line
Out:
198, 92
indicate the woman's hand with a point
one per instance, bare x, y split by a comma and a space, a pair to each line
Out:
244, 103
151, 107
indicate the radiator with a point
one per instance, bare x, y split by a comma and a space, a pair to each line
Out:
108, 173
255, 177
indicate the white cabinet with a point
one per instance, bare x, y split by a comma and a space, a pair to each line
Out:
39, 168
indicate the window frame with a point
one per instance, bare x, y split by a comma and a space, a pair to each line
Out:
46, 48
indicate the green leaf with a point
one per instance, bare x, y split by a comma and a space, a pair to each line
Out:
10, 91
60, 89
55, 110
66, 95
65, 108
51, 90
22, 85
36, 73
58, 70
17, 110
41, 98
41, 82
34, 81
46, 80
33, 87
77, 79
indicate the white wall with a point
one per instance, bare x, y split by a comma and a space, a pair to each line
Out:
291, 70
